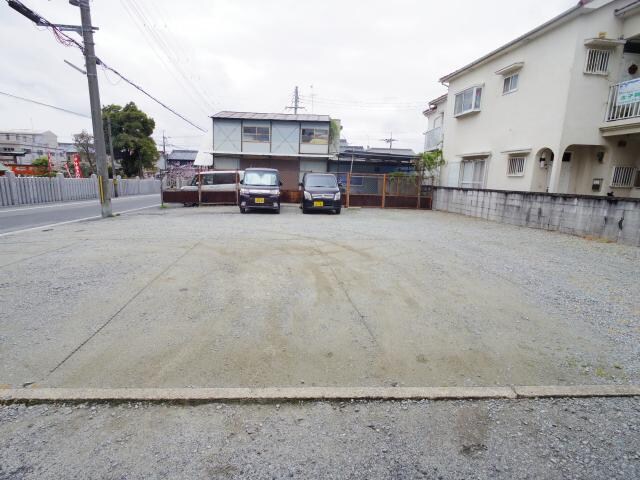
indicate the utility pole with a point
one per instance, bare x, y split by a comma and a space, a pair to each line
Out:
389, 140
96, 113
113, 159
164, 151
296, 102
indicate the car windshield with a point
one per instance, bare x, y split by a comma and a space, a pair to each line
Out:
267, 179
327, 181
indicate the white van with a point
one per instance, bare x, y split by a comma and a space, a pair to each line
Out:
216, 181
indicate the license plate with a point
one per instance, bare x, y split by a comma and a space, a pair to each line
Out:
318, 204
259, 200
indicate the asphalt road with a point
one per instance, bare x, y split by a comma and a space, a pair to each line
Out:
13, 219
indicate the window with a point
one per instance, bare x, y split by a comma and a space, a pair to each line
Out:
510, 84
468, 101
258, 178
516, 166
315, 136
622, 177
256, 134
472, 173
597, 61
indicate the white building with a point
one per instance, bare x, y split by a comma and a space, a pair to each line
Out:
557, 109
22, 147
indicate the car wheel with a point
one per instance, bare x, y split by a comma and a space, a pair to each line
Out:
338, 210
305, 211
243, 210
278, 210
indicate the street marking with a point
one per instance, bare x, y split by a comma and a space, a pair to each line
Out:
30, 229
83, 202
281, 394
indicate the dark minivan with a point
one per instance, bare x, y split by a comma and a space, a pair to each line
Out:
260, 190
320, 191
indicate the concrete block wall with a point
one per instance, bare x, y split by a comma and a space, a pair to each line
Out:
33, 190
614, 219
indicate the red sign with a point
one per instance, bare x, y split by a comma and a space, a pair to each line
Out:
76, 165
26, 170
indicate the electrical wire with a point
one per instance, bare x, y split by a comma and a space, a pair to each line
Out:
68, 41
167, 50
45, 104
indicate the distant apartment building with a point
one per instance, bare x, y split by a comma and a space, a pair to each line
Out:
21, 147
557, 109
294, 144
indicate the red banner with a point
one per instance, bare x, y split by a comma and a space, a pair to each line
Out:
76, 165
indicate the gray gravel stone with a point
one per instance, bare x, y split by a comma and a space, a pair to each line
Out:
524, 439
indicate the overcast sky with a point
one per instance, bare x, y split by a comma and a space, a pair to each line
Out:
374, 64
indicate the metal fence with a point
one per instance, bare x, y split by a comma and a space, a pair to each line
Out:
33, 190
394, 190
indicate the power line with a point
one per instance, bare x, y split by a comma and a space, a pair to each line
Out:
164, 53
68, 41
44, 104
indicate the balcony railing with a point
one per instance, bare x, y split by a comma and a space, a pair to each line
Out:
433, 139
624, 101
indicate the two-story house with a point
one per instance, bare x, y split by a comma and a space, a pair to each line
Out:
292, 143
557, 109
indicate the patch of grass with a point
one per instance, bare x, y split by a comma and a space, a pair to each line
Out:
600, 372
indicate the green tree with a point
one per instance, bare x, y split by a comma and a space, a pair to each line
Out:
83, 142
43, 164
428, 164
132, 143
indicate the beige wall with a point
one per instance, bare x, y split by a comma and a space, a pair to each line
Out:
556, 106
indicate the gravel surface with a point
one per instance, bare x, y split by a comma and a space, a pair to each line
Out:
207, 297
524, 439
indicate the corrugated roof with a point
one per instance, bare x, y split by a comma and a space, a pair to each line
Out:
300, 117
392, 151
183, 155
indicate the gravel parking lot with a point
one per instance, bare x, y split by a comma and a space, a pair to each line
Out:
524, 439
207, 297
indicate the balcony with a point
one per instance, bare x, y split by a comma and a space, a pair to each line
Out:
433, 139
623, 109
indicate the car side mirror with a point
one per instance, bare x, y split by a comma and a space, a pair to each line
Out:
340, 185
280, 182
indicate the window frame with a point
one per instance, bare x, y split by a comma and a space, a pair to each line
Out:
255, 134
476, 98
314, 136
636, 183
520, 162
509, 78
631, 175
605, 59
473, 184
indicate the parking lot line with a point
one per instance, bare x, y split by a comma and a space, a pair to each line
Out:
203, 395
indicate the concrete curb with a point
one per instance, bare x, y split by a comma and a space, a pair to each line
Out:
208, 395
